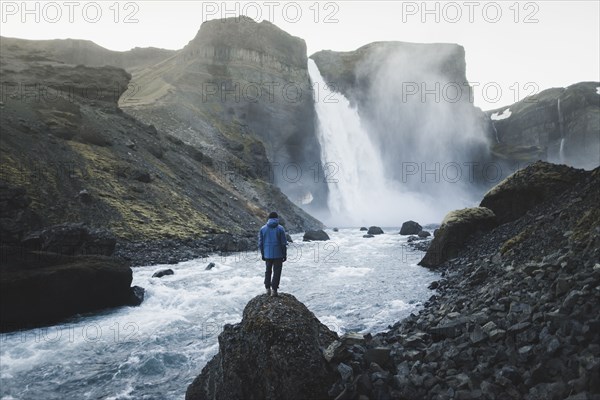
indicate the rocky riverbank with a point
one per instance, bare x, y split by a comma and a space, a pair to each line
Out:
514, 317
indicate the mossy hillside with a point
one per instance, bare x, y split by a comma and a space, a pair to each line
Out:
151, 211
141, 184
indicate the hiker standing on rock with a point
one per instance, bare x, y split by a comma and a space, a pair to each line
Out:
273, 249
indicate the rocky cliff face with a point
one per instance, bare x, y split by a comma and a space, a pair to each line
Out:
560, 125
275, 352
76, 157
239, 90
84, 52
416, 103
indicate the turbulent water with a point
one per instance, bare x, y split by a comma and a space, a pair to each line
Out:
154, 351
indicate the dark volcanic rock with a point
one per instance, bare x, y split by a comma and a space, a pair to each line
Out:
542, 121
16, 217
511, 317
40, 288
455, 229
368, 236
136, 296
423, 234
315, 235
364, 228
274, 353
209, 266
374, 230
528, 187
410, 228
74, 155
163, 272
72, 239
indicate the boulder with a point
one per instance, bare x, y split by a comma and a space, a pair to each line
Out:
526, 188
375, 230
162, 272
136, 296
455, 229
335, 229
368, 236
71, 239
364, 228
40, 288
315, 235
423, 234
410, 228
273, 353
288, 238
209, 266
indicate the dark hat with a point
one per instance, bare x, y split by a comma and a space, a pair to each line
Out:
273, 215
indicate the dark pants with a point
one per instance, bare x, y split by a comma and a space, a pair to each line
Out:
273, 266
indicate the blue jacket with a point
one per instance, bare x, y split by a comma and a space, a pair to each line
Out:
271, 240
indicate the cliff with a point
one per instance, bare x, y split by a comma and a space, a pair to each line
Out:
239, 90
68, 147
560, 125
416, 103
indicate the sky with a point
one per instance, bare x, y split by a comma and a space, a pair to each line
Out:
513, 49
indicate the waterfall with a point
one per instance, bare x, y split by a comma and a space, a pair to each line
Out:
496, 132
561, 128
561, 121
360, 191
561, 151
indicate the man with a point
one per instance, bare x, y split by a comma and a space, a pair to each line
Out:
273, 248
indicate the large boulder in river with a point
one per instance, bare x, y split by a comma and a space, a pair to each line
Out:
410, 228
275, 352
526, 188
163, 272
39, 288
455, 229
374, 230
315, 235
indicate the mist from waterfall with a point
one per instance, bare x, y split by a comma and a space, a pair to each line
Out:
361, 191
407, 138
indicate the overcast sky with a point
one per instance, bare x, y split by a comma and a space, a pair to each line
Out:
513, 48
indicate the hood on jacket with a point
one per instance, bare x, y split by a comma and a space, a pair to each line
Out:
273, 222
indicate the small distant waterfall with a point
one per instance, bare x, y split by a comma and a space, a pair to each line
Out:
496, 132
561, 121
359, 191
561, 151
561, 128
